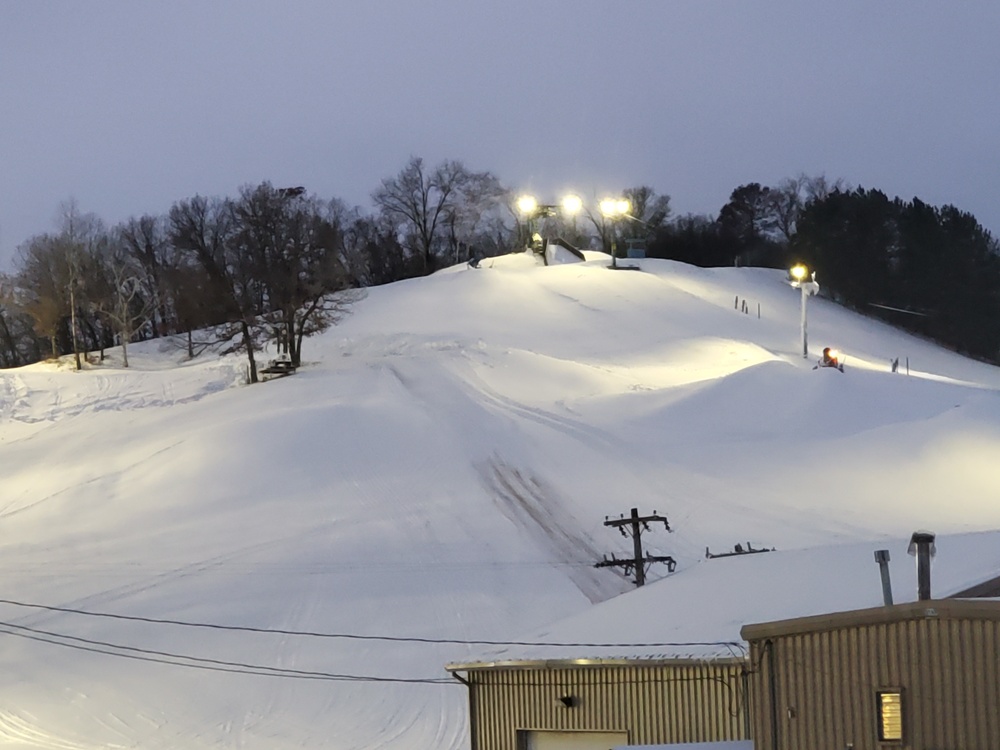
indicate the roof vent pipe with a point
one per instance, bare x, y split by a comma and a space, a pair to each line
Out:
922, 545
882, 558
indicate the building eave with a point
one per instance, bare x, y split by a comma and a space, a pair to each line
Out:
920, 610
541, 664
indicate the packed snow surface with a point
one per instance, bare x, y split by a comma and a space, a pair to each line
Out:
440, 469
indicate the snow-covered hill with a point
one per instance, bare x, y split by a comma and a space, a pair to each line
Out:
440, 469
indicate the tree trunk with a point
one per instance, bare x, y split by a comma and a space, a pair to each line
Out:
9, 343
293, 344
248, 343
72, 309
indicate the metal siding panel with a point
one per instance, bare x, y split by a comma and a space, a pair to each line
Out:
758, 698
655, 709
838, 645
991, 653
867, 676
653, 704
948, 667
783, 677
972, 643
794, 694
814, 665
656, 717
840, 649
856, 704
824, 655
963, 673
915, 678
930, 648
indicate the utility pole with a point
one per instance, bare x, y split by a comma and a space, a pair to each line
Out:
633, 526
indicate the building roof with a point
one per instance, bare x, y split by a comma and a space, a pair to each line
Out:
941, 609
697, 613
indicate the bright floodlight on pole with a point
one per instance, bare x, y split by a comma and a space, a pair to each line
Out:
805, 281
572, 204
614, 209
527, 204
528, 207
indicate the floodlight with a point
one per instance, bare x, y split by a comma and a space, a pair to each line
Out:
572, 204
527, 204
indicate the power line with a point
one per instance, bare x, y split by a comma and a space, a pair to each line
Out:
194, 662
360, 637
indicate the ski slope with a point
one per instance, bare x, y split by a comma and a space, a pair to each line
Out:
440, 468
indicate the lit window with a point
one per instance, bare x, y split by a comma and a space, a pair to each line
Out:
890, 715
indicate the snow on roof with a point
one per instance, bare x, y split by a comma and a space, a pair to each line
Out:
697, 613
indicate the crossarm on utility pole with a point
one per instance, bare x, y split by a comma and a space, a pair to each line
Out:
633, 526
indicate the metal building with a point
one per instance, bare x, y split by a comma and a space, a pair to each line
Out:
605, 703
918, 676
668, 663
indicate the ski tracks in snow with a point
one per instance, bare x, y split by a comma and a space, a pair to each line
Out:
535, 507
13, 396
96, 391
20, 730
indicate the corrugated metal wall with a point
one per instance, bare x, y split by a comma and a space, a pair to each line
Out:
826, 682
654, 704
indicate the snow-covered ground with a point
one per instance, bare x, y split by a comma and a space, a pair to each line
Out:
440, 469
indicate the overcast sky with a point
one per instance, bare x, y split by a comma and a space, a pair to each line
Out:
127, 107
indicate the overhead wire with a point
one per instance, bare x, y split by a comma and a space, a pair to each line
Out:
366, 637
195, 662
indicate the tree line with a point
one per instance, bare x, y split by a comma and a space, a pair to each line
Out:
279, 264
270, 264
932, 270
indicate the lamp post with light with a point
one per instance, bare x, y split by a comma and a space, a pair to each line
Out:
531, 209
614, 209
805, 281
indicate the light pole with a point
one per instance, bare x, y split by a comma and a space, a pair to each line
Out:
614, 209
530, 208
800, 274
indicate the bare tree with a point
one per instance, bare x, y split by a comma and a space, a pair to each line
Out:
187, 294
19, 343
648, 213
44, 280
82, 237
201, 230
648, 208
295, 246
419, 202
127, 304
477, 208
373, 254
785, 202
146, 240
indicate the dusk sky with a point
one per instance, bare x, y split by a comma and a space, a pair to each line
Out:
127, 107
